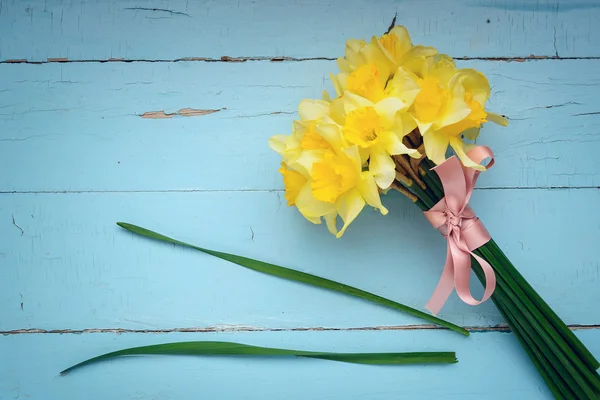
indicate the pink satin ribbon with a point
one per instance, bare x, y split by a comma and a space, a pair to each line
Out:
453, 217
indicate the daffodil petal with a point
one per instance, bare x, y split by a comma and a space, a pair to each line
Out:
392, 143
415, 60
311, 207
497, 118
353, 153
423, 126
387, 109
325, 96
304, 162
436, 145
458, 147
475, 83
404, 86
343, 65
353, 101
456, 111
278, 143
443, 69
420, 51
364, 154
337, 112
370, 192
382, 167
312, 110
403, 44
471, 133
405, 123
376, 54
314, 220
348, 206
336, 85
331, 133
331, 221
353, 54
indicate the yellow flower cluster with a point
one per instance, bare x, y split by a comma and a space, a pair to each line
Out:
339, 155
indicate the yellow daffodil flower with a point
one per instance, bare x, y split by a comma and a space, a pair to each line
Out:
334, 185
304, 134
377, 130
297, 183
381, 57
397, 48
445, 103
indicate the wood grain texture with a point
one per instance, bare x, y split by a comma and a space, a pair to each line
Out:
85, 129
73, 268
151, 30
483, 358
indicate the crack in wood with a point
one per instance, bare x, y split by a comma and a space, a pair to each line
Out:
15, 224
264, 190
163, 10
531, 57
184, 112
587, 113
248, 328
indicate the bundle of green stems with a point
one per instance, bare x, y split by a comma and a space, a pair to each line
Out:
565, 364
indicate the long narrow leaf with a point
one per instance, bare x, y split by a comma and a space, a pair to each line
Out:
298, 276
230, 348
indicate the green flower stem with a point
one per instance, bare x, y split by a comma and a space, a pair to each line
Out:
558, 324
421, 194
437, 193
549, 374
563, 361
433, 177
421, 205
547, 362
551, 346
298, 276
546, 330
558, 386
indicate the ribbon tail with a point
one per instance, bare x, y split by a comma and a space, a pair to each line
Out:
444, 287
462, 277
490, 277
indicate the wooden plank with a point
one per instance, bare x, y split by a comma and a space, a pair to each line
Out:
31, 363
205, 126
109, 29
66, 265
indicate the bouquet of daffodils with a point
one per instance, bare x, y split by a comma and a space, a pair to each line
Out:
398, 108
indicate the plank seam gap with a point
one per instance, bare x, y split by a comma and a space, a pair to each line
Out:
498, 328
263, 190
226, 59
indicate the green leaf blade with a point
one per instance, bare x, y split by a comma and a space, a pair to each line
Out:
298, 276
210, 348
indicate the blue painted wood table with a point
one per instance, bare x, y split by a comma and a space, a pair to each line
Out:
158, 113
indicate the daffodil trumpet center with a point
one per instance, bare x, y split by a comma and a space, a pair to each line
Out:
312, 140
293, 182
366, 82
332, 176
429, 101
363, 127
475, 119
388, 42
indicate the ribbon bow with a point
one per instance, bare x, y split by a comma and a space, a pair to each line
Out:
453, 217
